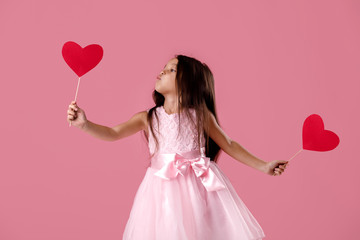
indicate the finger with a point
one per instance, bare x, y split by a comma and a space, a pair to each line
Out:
285, 164
70, 111
75, 108
282, 166
72, 114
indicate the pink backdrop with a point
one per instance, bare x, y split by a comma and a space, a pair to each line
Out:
274, 62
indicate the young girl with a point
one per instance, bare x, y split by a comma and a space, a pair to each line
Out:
184, 195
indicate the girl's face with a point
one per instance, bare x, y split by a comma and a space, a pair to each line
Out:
165, 83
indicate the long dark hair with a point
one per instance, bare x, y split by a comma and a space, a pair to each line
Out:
195, 88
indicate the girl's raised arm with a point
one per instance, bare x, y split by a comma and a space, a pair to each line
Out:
231, 147
136, 123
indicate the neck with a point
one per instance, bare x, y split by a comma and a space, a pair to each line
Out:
171, 105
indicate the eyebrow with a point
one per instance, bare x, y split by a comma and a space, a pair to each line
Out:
170, 64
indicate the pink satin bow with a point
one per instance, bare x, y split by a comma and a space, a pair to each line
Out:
175, 163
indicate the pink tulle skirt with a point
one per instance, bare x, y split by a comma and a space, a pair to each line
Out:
183, 209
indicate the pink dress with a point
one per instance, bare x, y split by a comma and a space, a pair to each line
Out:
184, 195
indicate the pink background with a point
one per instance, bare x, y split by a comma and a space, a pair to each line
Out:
274, 62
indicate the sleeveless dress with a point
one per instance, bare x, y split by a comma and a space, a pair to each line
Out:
184, 195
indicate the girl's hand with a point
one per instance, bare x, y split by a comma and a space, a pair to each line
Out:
276, 167
76, 116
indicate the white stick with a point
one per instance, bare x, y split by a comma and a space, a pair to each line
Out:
295, 154
76, 95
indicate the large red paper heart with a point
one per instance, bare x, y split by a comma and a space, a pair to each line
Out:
81, 60
315, 137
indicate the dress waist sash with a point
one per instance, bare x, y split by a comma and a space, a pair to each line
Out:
170, 165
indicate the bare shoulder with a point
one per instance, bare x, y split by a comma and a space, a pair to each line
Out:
136, 123
142, 116
212, 119
217, 134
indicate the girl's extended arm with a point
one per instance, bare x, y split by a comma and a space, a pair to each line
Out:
136, 123
233, 148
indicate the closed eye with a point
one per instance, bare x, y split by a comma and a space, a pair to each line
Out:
170, 69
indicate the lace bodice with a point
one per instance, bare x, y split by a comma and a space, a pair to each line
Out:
170, 140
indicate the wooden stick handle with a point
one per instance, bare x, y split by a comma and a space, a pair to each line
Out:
76, 95
295, 154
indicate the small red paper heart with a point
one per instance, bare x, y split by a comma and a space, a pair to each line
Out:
81, 60
315, 137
